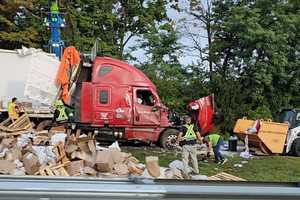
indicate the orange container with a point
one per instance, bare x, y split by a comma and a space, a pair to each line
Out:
270, 138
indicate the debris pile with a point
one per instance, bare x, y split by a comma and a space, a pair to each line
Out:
26, 151
59, 154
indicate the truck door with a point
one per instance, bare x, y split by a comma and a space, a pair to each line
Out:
144, 107
102, 110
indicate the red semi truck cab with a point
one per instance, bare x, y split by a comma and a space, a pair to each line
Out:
119, 101
122, 102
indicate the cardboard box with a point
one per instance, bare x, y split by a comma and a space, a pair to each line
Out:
84, 147
75, 167
118, 157
71, 148
31, 163
134, 169
14, 154
89, 171
83, 156
120, 169
104, 161
153, 166
7, 167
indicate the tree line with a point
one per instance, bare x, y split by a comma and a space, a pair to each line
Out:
246, 52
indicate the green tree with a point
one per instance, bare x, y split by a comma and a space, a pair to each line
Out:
115, 22
20, 24
255, 49
162, 65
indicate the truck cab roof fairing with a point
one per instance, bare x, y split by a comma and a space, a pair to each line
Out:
120, 73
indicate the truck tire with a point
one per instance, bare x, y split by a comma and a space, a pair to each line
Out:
296, 148
168, 139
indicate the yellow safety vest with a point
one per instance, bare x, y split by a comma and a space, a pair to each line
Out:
12, 111
190, 133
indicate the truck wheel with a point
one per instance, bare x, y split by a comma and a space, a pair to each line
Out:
297, 147
168, 139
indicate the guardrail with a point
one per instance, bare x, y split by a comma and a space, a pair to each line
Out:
48, 188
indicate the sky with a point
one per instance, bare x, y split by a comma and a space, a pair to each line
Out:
193, 26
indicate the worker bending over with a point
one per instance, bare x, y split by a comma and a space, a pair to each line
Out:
187, 138
214, 142
13, 109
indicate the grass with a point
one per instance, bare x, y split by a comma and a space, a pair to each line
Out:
262, 168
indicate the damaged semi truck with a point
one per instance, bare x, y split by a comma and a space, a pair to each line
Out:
108, 97
116, 101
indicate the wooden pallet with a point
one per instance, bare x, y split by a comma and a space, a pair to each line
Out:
58, 170
60, 152
22, 123
225, 177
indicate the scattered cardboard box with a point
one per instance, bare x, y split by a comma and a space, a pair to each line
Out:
118, 157
104, 161
134, 169
13, 154
84, 147
75, 168
31, 163
89, 171
82, 156
7, 167
120, 169
71, 148
153, 166
8, 142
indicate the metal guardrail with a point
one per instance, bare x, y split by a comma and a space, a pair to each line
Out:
52, 188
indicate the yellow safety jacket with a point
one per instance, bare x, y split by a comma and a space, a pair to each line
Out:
190, 133
12, 113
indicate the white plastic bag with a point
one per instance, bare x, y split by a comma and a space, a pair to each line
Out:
246, 155
115, 145
24, 139
57, 138
177, 164
44, 154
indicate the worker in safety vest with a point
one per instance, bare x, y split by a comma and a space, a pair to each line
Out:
187, 138
13, 110
214, 142
60, 113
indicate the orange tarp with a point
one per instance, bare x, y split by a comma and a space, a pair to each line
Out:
70, 58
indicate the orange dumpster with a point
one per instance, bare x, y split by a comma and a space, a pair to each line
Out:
270, 137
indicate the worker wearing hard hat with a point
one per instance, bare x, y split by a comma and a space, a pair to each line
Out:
13, 110
187, 138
